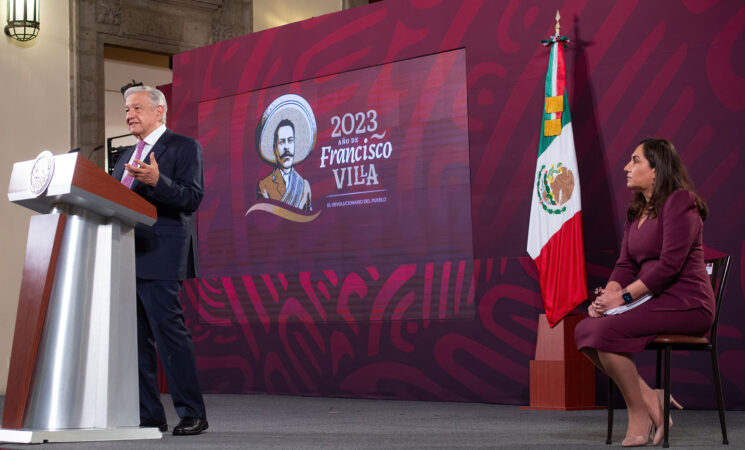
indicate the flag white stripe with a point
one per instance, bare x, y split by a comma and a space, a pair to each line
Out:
542, 224
554, 68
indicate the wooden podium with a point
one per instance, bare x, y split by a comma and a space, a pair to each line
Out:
73, 367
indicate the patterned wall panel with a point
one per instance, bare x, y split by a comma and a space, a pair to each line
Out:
668, 68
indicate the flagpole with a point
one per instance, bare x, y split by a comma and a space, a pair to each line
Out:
561, 378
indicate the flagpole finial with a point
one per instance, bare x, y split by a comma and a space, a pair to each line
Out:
556, 38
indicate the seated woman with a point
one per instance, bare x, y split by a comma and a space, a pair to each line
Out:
661, 254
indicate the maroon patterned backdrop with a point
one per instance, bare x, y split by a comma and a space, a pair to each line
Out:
668, 68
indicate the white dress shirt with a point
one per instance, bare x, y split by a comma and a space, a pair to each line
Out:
150, 141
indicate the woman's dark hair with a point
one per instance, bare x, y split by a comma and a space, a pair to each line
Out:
670, 175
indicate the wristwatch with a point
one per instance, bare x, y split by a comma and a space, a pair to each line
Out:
627, 298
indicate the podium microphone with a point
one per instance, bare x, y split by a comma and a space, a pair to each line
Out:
94, 151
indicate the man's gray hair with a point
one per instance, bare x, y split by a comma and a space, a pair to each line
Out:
155, 95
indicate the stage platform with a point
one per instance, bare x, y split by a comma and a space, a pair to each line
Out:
264, 421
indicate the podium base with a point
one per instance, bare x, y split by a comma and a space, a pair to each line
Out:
561, 378
78, 435
562, 385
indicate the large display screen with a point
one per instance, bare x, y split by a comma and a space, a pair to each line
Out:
362, 169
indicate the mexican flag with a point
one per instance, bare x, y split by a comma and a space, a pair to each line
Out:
555, 233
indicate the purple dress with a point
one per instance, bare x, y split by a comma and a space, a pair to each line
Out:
666, 254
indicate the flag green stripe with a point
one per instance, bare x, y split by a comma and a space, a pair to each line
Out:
566, 117
546, 140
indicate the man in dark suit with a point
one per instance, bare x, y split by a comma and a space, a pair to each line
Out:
165, 169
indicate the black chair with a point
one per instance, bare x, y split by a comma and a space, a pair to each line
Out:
719, 269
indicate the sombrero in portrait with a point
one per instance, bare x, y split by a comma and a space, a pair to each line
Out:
295, 109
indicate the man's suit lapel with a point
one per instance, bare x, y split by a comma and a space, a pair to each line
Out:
119, 168
159, 149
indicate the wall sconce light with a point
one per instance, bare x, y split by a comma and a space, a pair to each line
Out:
23, 19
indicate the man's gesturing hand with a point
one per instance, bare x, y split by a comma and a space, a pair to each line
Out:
145, 173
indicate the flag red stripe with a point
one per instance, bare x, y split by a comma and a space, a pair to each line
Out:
560, 73
561, 266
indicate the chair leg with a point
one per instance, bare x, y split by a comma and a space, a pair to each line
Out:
719, 395
608, 439
658, 378
666, 401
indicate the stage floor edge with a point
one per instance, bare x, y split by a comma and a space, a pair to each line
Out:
78, 435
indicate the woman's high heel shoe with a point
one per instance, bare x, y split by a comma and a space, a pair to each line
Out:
674, 403
660, 433
638, 441
635, 441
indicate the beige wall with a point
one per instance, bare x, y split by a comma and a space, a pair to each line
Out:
273, 13
35, 93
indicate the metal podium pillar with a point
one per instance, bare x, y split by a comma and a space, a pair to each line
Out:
74, 363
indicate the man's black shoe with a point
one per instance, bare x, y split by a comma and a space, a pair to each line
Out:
162, 426
190, 426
